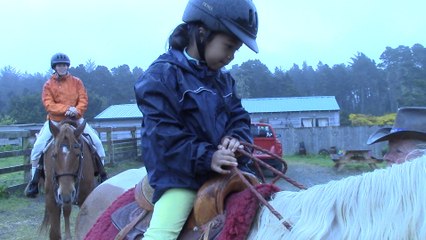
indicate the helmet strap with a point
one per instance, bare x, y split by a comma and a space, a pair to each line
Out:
201, 38
200, 45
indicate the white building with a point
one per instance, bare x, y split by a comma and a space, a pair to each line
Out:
296, 112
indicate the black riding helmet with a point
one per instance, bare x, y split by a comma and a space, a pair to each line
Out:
59, 58
238, 17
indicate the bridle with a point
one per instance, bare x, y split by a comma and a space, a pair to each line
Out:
77, 175
249, 153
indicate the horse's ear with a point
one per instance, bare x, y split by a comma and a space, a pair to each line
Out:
53, 129
80, 129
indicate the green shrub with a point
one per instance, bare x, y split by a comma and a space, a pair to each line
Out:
3, 192
368, 120
5, 148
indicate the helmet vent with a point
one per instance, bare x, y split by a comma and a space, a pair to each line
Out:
252, 18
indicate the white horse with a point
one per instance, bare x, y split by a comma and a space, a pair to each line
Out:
384, 204
103, 196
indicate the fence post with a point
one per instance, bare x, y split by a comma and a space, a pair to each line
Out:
134, 143
109, 146
26, 147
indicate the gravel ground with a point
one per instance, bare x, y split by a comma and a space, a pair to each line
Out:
309, 175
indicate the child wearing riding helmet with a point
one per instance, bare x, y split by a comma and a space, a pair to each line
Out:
193, 121
63, 96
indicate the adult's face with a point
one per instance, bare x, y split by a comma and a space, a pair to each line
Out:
401, 150
61, 69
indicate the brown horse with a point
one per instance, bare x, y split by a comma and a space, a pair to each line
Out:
69, 176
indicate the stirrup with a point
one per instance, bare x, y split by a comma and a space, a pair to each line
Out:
102, 177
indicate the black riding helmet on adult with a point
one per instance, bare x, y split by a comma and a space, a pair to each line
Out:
235, 17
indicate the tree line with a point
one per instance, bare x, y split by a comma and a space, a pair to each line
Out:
361, 86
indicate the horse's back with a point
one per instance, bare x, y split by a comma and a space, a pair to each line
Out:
103, 196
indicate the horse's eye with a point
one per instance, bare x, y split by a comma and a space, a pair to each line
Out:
76, 145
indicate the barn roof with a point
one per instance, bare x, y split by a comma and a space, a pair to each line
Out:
290, 104
121, 111
252, 105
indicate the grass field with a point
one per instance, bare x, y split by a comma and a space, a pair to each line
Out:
325, 161
21, 216
11, 179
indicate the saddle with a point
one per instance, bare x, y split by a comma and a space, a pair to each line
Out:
205, 221
97, 161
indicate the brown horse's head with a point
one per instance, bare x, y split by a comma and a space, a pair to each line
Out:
67, 156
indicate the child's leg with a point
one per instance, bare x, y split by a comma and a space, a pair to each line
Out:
170, 214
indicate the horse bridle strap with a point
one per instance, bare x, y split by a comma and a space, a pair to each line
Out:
77, 175
257, 161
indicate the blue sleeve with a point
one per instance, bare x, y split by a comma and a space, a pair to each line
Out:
239, 122
166, 143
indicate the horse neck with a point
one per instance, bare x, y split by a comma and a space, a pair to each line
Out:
346, 208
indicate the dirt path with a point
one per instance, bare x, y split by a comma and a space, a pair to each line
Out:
309, 175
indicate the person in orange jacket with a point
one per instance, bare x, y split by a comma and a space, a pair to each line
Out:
64, 96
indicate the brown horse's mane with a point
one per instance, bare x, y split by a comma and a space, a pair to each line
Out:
71, 122
66, 133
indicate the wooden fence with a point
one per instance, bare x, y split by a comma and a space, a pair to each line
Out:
318, 138
26, 144
120, 143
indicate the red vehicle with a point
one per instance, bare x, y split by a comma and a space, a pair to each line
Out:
265, 137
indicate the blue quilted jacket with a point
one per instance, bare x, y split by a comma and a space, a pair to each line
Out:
187, 109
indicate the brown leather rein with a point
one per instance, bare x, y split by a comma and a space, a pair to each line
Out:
279, 175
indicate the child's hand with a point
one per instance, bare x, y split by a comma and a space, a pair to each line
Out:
223, 160
231, 144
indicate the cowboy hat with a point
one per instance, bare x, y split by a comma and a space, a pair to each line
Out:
409, 121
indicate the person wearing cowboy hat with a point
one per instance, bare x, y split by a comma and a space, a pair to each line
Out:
406, 138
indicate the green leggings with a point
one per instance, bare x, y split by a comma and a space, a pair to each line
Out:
170, 214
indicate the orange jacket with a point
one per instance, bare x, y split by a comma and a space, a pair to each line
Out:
59, 95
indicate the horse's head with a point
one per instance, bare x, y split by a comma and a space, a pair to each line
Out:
67, 155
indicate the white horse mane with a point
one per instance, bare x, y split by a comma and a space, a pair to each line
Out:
385, 204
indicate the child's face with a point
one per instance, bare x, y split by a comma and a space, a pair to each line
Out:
220, 50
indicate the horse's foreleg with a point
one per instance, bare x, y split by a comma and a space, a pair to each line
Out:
54, 218
67, 212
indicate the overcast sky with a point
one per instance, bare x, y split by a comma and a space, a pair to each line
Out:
134, 32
